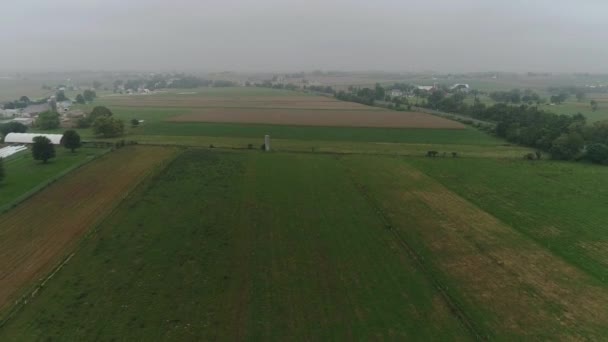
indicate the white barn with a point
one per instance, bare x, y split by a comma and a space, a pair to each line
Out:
28, 138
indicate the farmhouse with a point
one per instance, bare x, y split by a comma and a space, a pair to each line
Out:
396, 93
28, 138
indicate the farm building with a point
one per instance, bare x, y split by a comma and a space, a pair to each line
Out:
396, 93
28, 138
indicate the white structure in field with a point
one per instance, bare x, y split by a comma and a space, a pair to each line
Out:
10, 150
28, 138
267, 142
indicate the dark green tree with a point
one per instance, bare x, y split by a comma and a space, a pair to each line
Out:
43, 149
71, 140
89, 95
594, 105
134, 122
80, 99
48, 120
12, 127
99, 111
108, 127
60, 96
567, 146
597, 153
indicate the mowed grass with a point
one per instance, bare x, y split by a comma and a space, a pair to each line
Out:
24, 174
242, 246
560, 205
39, 233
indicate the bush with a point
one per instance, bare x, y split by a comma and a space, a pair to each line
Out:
597, 153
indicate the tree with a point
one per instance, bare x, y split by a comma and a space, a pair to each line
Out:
2, 174
24, 99
48, 120
597, 153
594, 105
134, 122
43, 149
99, 111
380, 93
567, 146
80, 99
108, 127
12, 127
89, 95
60, 96
71, 140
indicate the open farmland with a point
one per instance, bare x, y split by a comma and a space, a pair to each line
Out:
358, 118
276, 107
24, 174
37, 234
379, 250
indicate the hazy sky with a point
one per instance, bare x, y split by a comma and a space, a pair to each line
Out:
292, 35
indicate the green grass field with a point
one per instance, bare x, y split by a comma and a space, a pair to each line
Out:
212, 251
24, 174
558, 204
257, 246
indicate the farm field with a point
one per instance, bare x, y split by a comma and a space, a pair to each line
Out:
560, 205
23, 174
381, 249
37, 234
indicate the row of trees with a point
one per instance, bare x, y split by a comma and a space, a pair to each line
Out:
163, 81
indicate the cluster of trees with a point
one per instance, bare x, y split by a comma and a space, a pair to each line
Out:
103, 123
516, 96
566, 137
163, 81
22, 102
43, 149
366, 96
87, 96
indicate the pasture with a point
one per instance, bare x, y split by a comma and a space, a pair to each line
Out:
37, 234
210, 249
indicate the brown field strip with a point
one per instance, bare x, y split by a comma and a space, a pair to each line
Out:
372, 118
295, 102
36, 235
508, 284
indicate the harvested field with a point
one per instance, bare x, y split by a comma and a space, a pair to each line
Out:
291, 102
36, 235
371, 118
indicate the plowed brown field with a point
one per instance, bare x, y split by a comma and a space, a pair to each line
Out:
357, 118
36, 235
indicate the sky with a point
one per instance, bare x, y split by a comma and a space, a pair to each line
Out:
304, 35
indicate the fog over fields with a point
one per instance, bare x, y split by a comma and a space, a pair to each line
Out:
278, 35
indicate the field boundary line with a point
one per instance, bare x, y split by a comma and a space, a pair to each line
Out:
22, 198
34, 289
452, 304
